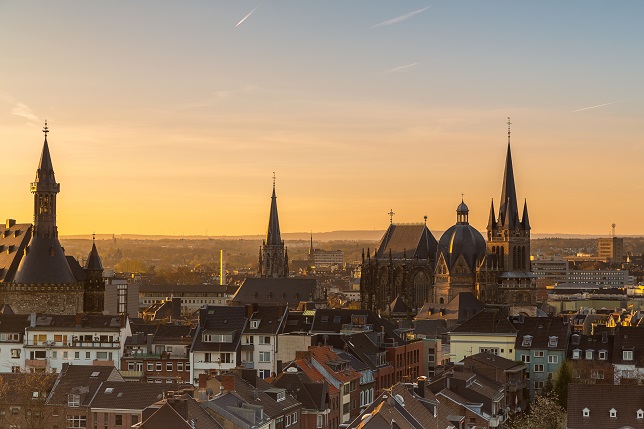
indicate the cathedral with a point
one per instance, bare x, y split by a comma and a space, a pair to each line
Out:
409, 265
35, 273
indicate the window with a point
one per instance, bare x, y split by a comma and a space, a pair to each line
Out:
226, 357
576, 354
187, 366
179, 366
538, 353
76, 355
65, 355
118, 419
585, 412
288, 420
640, 414
73, 400
264, 373
603, 355
54, 354
169, 366
76, 421
320, 421
158, 366
527, 341
88, 355
538, 384
264, 356
15, 353
150, 366
264, 340
134, 419
249, 339
294, 417
613, 413
552, 341
538, 367
491, 350
281, 395
254, 324
627, 355
597, 374
589, 354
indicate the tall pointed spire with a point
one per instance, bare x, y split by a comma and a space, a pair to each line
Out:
94, 260
273, 236
491, 223
525, 220
508, 212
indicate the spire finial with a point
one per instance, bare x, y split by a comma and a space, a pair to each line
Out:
425, 217
462, 196
509, 123
391, 216
273, 179
45, 129
93, 237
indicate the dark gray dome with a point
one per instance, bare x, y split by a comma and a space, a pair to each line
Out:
462, 207
44, 263
462, 239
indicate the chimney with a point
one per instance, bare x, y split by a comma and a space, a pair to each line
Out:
250, 376
303, 354
176, 308
203, 378
10, 223
228, 382
148, 343
222, 267
422, 381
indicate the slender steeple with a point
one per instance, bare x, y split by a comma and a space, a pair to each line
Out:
94, 260
45, 188
491, 223
525, 221
273, 236
508, 212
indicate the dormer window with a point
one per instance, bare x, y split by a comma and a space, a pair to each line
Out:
613, 413
585, 412
527, 341
576, 354
254, 324
281, 396
603, 355
627, 354
589, 354
640, 414
552, 341
73, 400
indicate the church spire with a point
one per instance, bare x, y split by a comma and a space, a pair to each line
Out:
45, 188
525, 221
273, 236
491, 223
508, 212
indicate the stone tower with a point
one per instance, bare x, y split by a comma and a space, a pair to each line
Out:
504, 276
273, 256
93, 300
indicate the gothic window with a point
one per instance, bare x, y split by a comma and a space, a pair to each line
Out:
514, 258
502, 257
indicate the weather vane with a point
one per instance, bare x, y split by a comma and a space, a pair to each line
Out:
273, 179
509, 123
391, 216
462, 196
45, 129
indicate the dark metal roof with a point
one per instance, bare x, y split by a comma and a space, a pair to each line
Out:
276, 291
94, 260
508, 212
45, 172
13, 240
415, 241
462, 239
273, 236
487, 321
77, 270
44, 263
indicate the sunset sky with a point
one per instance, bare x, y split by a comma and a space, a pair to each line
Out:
170, 117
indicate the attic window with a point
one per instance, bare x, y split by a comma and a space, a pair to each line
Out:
337, 319
576, 354
109, 390
640, 414
254, 324
613, 413
603, 354
95, 374
552, 341
585, 412
527, 341
325, 319
575, 339
281, 396
627, 354
73, 400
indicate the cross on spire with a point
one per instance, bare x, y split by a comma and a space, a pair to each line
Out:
45, 129
462, 197
273, 179
509, 123
391, 216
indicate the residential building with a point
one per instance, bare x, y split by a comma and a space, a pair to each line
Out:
193, 297
628, 354
23, 400
591, 358
259, 340
178, 412
487, 331
601, 406
541, 344
12, 333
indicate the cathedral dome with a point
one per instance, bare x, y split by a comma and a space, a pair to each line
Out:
462, 239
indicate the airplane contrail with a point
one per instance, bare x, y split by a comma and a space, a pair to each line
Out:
401, 18
246, 17
599, 105
395, 69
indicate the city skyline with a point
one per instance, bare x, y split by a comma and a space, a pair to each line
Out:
171, 119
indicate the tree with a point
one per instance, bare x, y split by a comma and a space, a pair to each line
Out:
562, 379
545, 413
22, 400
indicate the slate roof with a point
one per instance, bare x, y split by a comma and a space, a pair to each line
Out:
13, 239
276, 291
313, 396
328, 358
463, 306
168, 415
84, 380
93, 259
44, 263
271, 318
313, 374
600, 399
126, 395
220, 319
58, 322
333, 320
228, 404
77, 270
595, 342
495, 361
541, 329
413, 240
14, 323
487, 321
629, 338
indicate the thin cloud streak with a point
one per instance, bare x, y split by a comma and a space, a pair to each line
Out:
246, 17
599, 105
395, 69
401, 18
22, 110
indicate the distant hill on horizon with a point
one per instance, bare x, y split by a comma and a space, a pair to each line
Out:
355, 235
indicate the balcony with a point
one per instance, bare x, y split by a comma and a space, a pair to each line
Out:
132, 374
36, 363
83, 344
249, 346
249, 365
515, 386
350, 327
